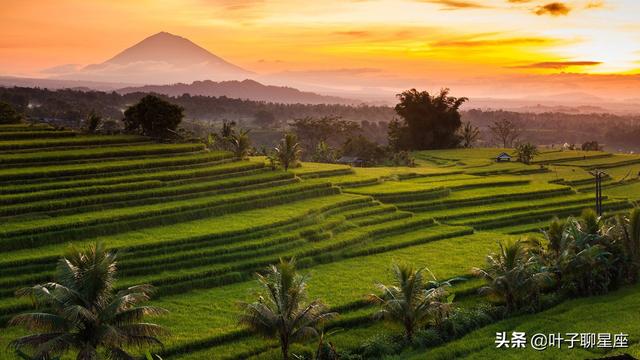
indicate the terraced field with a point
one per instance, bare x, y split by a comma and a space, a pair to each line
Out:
199, 224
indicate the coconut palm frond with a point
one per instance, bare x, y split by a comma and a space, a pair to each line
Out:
281, 311
81, 298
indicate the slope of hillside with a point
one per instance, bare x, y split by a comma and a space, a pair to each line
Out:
198, 224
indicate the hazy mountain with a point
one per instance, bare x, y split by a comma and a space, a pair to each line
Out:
246, 89
53, 84
160, 59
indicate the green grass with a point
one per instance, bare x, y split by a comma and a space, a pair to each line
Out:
232, 169
560, 156
226, 224
20, 135
98, 153
93, 140
198, 226
630, 191
617, 312
133, 193
106, 167
607, 162
25, 127
338, 283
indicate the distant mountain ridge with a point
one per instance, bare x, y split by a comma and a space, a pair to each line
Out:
246, 89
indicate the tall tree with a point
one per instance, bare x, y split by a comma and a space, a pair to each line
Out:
469, 134
8, 115
428, 121
280, 311
505, 132
81, 312
153, 116
288, 151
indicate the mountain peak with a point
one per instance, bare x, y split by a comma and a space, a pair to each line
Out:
167, 36
166, 58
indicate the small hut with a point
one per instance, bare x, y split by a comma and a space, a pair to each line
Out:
351, 160
504, 157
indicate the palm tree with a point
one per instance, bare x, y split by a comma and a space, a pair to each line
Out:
438, 291
281, 312
407, 301
288, 151
513, 276
630, 239
80, 311
526, 152
583, 262
228, 129
554, 235
240, 144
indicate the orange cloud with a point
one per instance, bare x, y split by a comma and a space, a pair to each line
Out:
553, 9
595, 5
494, 42
557, 64
354, 33
456, 4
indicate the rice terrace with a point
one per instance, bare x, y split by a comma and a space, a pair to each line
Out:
198, 225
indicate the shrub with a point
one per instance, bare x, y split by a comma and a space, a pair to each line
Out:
514, 276
378, 346
8, 115
427, 338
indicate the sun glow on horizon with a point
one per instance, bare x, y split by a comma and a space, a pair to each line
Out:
399, 42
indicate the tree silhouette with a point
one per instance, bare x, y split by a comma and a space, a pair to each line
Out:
427, 121
469, 134
526, 152
152, 116
8, 115
505, 131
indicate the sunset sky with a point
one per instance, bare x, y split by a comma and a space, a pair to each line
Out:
359, 43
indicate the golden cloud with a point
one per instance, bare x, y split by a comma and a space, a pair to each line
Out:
553, 9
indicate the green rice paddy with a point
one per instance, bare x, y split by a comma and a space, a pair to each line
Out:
199, 224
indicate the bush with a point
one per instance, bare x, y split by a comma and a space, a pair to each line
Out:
464, 321
378, 346
427, 338
8, 115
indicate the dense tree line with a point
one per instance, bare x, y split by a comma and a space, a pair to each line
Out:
70, 107
74, 105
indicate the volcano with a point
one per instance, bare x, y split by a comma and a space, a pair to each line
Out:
162, 58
